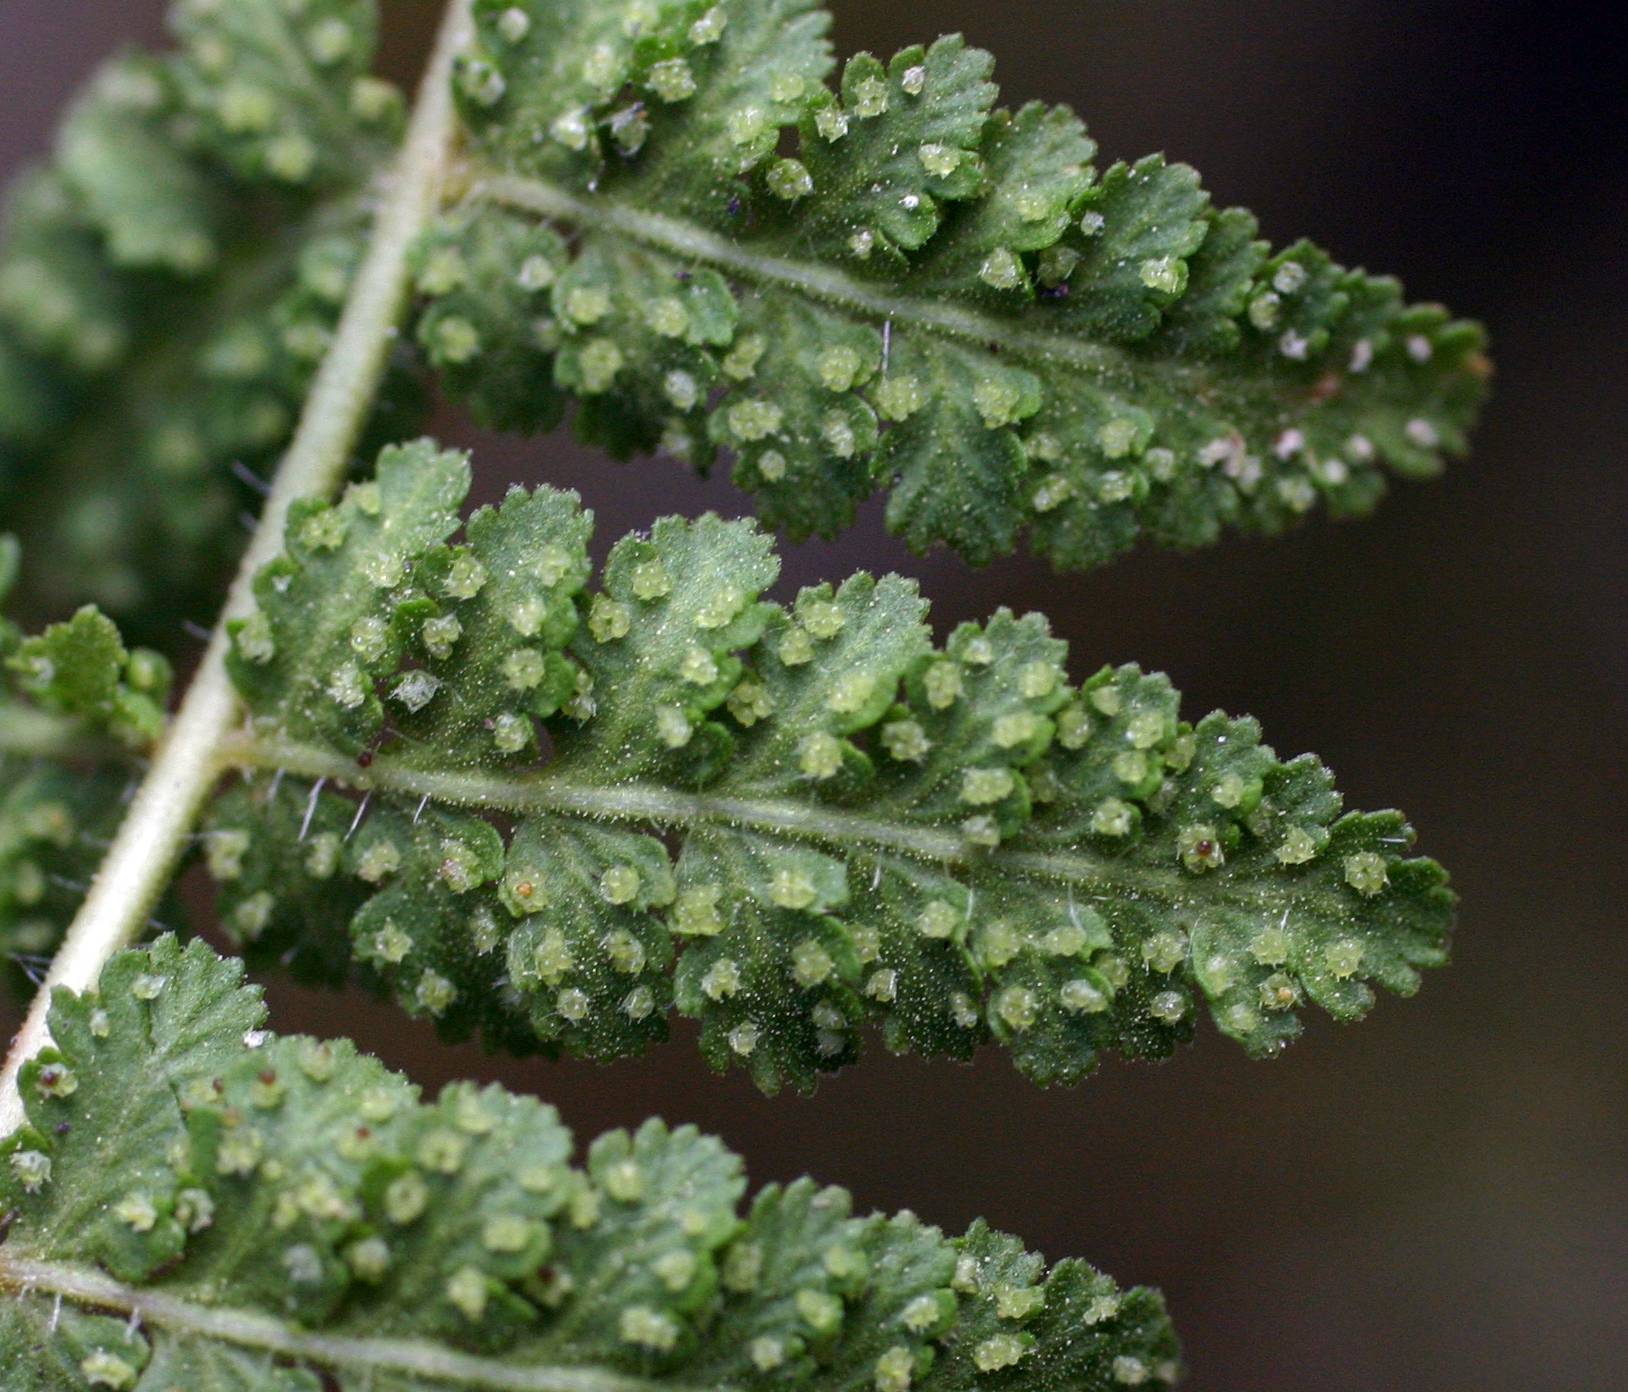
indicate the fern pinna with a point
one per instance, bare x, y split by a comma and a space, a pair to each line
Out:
441, 754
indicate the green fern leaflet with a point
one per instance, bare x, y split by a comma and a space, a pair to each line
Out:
785, 820
198, 1203
928, 294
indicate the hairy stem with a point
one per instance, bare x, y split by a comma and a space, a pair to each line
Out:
150, 841
544, 791
817, 281
364, 1357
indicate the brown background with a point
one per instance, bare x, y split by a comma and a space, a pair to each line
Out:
1435, 1200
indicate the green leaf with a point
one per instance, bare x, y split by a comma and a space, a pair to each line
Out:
82, 669
311, 665
265, 1212
682, 216
73, 680
168, 283
156, 208
115, 1072
75, 695
786, 820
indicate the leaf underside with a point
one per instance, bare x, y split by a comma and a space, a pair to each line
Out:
681, 216
588, 806
169, 280
553, 808
195, 1202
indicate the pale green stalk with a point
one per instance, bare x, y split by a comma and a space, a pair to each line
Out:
361, 1357
546, 792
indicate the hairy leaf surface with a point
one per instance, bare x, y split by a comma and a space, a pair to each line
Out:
265, 1210
586, 804
168, 282
683, 216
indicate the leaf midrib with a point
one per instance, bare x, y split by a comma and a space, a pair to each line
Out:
826, 284
546, 792
22, 1276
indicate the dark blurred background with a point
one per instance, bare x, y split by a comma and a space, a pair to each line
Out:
1438, 1199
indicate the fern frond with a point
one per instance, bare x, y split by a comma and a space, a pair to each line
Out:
786, 820
196, 1202
168, 282
928, 293
885, 280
